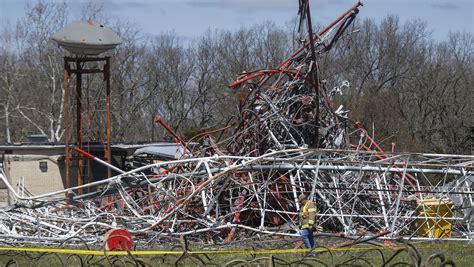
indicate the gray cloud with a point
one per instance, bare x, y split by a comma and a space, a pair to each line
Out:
137, 4
116, 5
444, 5
235, 4
257, 4
204, 3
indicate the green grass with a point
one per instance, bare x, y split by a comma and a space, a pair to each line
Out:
461, 254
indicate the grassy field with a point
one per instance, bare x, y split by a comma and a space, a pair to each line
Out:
459, 254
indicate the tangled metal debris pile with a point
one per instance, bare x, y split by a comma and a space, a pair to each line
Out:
288, 138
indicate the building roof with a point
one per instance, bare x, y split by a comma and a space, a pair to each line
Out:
130, 148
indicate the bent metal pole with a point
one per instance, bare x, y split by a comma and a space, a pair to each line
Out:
98, 160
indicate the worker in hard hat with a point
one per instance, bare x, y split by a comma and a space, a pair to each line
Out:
307, 222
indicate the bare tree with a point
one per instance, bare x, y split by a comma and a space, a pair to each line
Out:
10, 75
412, 90
40, 103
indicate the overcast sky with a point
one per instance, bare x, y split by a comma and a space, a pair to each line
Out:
190, 18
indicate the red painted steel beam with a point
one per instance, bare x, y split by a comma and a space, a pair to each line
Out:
178, 139
341, 17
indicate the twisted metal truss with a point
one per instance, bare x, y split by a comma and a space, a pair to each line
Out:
223, 198
287, 139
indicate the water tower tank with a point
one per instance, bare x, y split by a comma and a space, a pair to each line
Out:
86, 37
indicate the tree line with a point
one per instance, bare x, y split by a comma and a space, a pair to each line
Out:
405, 87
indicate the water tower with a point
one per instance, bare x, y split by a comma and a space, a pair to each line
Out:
85, 40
